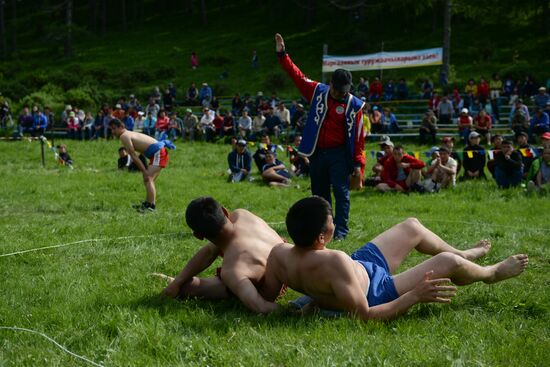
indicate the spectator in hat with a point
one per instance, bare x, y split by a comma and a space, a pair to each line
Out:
542, 98
465, 125
402, 172
428, 127
190, 123
240, 162
333, 136
474, 158
539, 123
508, 166
73, 126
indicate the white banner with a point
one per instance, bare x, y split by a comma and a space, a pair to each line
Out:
384, 60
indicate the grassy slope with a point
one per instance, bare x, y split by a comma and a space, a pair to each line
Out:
98, 300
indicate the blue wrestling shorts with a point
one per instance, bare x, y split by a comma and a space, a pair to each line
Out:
381, 288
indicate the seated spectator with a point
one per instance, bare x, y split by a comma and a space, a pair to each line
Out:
526, 153
192, 95
206, 124
149, 124
299, 119
155, 96
98, 125
125, 161
465, 125
376, 90
162, 125
283, 114
88, 129
519, 122
127, 120
362, 87
545, 140
214, 103
496, 148
474, 158
138, 122
508, 166
471, 88
433, 103
205, 93
390, 121
389, 90
386, 145
518, 105
228, 124
427, 89
175, 126
264, 147
299, 164
73, 126
539, 123
483, 123
442, 171
445, 110
401, 172
257, 126
40, 122
376, 122
274, 172
245, 124
25, 121
539, 174
272, 123
428, 127
167, 100
63, 156
483, 91
449, 143
153, 108
542, 98
237, 105
218, 123
240, 162
190, 125
402, 91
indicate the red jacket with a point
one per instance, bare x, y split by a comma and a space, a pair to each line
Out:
162, 123
389, 174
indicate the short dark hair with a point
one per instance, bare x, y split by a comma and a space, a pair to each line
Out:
307, 219
507, 142
205, 217
116, 123
121, 149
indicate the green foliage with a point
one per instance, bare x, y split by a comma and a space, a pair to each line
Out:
276, 80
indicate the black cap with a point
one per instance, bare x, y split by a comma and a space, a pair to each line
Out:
341, 80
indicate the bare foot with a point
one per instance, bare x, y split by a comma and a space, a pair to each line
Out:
162, 276
509, 268
479, 250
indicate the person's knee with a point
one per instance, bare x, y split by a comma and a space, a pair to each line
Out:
449, 261
412, 224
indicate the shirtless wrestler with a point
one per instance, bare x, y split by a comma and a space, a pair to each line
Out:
243, 240
363, 283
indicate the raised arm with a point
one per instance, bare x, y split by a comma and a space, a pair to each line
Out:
199, 262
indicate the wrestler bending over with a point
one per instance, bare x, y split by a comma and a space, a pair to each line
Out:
363, 283
243, 240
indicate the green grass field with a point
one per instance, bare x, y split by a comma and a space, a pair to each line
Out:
98, 299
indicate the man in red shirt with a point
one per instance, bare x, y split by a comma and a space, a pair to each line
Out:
401, 172
333, 137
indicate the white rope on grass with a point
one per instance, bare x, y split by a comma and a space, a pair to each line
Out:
15, 328
84, 241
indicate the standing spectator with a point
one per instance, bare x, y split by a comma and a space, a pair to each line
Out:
376, 90
445, 110
465, 125
526, 150
40, 122
428, 127
190, 123
255, 60
483, 123
402, 91
240, 162
205, 93
192, 95
389, 90
175, 126
274, 172
508, 166
474, 158
542, 98
495, 86
333, 137
206, 124
162, 125
194, 61
539, 123
245, 125
401, 172
25, 121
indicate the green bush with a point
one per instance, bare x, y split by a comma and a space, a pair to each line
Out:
275, 80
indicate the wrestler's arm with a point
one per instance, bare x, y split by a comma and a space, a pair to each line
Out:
199, 262
127, 142
244, 289
271, 287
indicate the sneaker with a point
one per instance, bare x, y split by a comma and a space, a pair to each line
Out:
147, 208
138, 206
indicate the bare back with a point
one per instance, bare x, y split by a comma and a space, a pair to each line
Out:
134, 141
247, 252
317, 273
